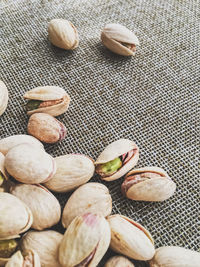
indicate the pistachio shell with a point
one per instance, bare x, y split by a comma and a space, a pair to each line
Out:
130, 238
88, 198
119, 261
9, 142
3, 97
73, 170
156, 186
31, 259
175, 257
45, 243
44, 206
2, 167
15, 217
30, 165
86, 240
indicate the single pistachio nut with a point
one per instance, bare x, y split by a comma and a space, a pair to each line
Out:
117, 159
46, 128
43, 204
119, 261
73, 170
52, 100
148, 184
85, 241
9, 142
16, 217
30, 259
45, 244
3, 97
63, 34
173, 256
119, 39
88, 198
7, 248
28, 164
130, 238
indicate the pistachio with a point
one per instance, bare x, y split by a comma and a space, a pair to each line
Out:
85, 241
15, 217
63, 34
30, 259
3, 173
73, 170
148, 184
44, 206
88, 198
175, 257
7, 248
119, 261
45, 243
119, 39
52, 100
3, 97
28, 164
130, 238
46, 128
9, 142
117, 159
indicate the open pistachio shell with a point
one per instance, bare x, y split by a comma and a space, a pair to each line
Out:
148, 184
88, 198
175, 257
73, 170
119, 261
48, 99
3, 97
122, 150
15, 217
3, 173
30, 259
45, 243
7, 248
85, 241
28, 164
130, 238
44, 206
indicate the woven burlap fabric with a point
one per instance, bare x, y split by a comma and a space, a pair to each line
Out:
152, 98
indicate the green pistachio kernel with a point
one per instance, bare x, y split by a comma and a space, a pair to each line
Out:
111, 166
1, 178
7, 248
33, 104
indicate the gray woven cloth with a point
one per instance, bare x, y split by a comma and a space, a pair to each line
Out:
152, 98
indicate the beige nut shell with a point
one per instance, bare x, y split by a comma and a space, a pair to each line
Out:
3, 97
119, 261
17, 260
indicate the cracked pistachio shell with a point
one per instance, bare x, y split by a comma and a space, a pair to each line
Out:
130, 238
55, 100
63, 34
44, 206
9, 142
16, 217
155, 184
175, 257
28, 164
119, 39
3, 97
85, 241
7, 248
88, 198
119, 261
45, 243
30, 259
73, 170
115, 150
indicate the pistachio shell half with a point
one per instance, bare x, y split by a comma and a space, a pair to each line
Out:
73, 170
3, 97
88, 198
117, 159
119, 261
30, 259
7, 248
85, 241
52, 100
148, 184
130, 238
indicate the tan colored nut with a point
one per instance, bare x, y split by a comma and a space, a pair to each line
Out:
46, 128
28, 164
117, 159
63, 34
130, 238
119, 39
16, 217
3, 97
73, 170
88, 198
7, 248
148, 184
119, 261
45, 207
175, 257
45, 243
85, 241
52, 100
30, 259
